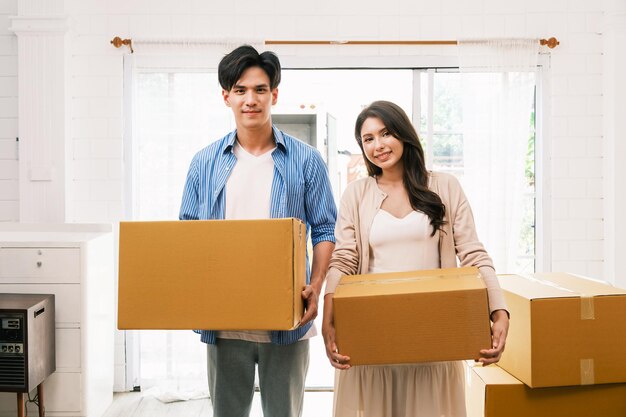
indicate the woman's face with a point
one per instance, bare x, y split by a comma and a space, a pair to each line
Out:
380, 147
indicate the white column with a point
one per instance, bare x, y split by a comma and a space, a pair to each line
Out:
614, 88
41, 31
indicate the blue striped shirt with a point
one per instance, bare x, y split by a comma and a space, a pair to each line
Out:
300, 189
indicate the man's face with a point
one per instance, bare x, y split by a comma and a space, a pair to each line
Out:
251, 99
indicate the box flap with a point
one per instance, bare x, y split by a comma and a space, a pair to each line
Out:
494, 375
410, 282
579, 284
530, 289
555, 285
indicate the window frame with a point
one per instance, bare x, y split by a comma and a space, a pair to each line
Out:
417, 63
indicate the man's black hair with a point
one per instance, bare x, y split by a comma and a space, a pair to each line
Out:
235, 63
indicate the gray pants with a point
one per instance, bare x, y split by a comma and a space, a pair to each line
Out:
282, 370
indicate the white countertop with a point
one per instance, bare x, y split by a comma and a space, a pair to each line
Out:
52, 232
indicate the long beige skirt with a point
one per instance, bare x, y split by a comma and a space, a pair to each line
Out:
434, 389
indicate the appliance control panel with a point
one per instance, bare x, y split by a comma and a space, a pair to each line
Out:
11, 333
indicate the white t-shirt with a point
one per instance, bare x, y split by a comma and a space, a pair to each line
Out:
249, 186
248, 193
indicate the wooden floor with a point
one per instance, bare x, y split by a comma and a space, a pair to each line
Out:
135, 404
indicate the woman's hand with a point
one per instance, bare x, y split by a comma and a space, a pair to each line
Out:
499, 331
328, 331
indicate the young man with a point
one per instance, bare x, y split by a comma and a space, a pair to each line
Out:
256, 172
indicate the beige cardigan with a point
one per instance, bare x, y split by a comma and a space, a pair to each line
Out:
362, 200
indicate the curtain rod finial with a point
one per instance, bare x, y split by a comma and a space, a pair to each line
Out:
551, 43
118, 42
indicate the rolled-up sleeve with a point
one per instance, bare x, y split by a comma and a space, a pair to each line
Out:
190, 201
320, 209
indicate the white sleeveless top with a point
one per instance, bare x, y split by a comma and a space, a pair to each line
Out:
402, 244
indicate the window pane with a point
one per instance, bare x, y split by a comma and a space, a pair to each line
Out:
175, 115
441, 133
448, 111
343, 93
448, 153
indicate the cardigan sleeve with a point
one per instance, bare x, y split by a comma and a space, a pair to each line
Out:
469, 249
494, 292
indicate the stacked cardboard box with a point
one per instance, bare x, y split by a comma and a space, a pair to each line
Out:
492, 392
212, 274
416, 316
565, 331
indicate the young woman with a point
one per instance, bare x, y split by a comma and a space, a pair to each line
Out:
402, 217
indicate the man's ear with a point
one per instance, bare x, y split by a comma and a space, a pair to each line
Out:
225, 96
274, 96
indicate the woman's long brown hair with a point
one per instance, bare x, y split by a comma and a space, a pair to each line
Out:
415, 175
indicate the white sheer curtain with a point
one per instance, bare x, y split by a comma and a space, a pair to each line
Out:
177, 109
187, 53
498, 84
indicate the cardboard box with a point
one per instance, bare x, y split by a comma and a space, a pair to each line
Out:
406, 317
212, 274
492, 392
564, 330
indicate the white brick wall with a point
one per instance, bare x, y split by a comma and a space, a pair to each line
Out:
96, 112
9, 194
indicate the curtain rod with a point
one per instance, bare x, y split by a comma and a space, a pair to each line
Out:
550, 43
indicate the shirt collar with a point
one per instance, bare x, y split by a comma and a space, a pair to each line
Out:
278, 137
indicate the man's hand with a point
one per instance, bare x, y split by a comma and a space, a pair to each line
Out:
319, 267
311, 300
